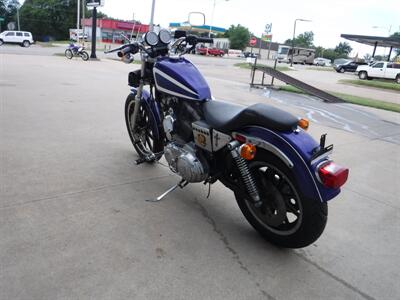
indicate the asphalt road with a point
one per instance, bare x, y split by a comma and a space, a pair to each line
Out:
74, 223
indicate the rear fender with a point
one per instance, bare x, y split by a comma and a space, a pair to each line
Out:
295, 149
152, 105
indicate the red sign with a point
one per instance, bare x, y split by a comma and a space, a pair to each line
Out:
253, 41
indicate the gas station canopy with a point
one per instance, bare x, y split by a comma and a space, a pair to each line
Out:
375, 41
372, 40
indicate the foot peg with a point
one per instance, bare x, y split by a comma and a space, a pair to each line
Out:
149, 158
180, 184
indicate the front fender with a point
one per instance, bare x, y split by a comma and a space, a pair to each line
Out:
295, 149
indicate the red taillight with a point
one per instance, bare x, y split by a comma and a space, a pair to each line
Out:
333, 175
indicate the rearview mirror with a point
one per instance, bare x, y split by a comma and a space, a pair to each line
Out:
197, 19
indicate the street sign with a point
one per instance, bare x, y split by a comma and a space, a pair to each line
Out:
268, 28
11, 26
253, 41
266, 37
95, 3
1, 19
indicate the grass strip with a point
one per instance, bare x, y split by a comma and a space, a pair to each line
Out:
245, 65
326, 69
387, 85
352, 99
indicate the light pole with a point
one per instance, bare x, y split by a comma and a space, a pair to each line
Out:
389, 29
152, 15
294, 34
212, 17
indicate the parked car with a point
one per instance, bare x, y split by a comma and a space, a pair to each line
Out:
210, 51
349, 66
81, 37
324, 62
23, 38
249, 54
380, 69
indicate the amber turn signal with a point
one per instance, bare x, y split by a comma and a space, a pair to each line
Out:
303, 123
247, 151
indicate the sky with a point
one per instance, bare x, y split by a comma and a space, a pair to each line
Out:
329, 19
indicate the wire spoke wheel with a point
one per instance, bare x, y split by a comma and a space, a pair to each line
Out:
84, 55
142, 134
68, 54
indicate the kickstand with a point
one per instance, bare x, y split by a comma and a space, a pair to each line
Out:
180, 184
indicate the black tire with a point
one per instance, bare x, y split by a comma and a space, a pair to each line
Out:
290, 220
1, 42
68, 54
341, 70
143, 139
26, 44
84, 55
363, 75
397, 78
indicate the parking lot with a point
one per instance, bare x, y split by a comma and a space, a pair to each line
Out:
74, 223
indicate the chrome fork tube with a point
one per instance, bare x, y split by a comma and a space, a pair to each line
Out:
138, 95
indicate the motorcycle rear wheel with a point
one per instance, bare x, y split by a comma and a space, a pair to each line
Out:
142, 137
84, 55
287, 218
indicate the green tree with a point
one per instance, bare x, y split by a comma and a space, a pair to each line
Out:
343, 49
239, 36
305, 40
8, 11
52, 18
396, 35
319, 51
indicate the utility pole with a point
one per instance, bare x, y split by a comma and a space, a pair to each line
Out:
19, 28
83, 18
77, 20
94, 27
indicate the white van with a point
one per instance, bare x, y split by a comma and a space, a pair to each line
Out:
23, 38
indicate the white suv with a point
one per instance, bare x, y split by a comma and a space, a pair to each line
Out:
23, 38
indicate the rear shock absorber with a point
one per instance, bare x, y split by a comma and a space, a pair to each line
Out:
245, 173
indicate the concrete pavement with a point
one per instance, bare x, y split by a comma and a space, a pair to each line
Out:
74, 223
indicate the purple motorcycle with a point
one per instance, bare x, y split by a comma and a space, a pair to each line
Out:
281, 177
75, 50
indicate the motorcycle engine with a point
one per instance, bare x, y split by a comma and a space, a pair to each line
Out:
186, 162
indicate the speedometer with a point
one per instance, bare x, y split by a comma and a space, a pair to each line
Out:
151, 38
164, 36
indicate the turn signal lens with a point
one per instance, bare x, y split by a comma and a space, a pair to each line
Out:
333, 175
303, 123
247, 151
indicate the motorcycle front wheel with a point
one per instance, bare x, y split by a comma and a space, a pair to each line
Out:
68, 54
142, 136
84, 55
286, 218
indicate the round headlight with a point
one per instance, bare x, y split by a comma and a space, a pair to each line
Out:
165, 36
151, 38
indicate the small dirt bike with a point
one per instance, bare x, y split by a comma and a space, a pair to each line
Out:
281, 177
75, 50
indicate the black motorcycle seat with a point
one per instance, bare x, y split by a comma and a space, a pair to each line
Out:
227, 117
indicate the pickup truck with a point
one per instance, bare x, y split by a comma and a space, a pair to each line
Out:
380, 69
210, 51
